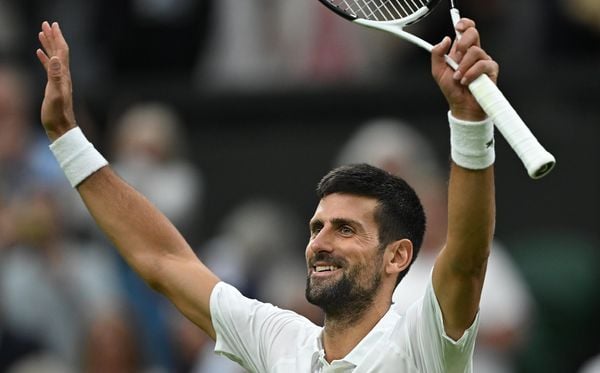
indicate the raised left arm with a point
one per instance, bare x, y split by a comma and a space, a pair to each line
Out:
460, 268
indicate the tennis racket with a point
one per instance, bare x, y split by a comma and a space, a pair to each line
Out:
393, 15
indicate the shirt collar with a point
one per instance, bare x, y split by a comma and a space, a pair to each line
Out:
318, 356
358, 354
384, 327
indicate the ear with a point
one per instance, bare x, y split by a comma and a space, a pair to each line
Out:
398, 256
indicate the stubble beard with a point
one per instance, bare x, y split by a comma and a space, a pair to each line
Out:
347, 298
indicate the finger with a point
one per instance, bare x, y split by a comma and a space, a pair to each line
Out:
44, 42
45, 26
61, 44
463, 24
469, 39
47, 31
458, 50
440, 49
438, 59
55, 70
60, 39
473, 55
43, 57
488, 67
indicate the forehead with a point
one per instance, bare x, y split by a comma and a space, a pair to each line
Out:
336, 205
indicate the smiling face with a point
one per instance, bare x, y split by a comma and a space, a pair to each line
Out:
344, 256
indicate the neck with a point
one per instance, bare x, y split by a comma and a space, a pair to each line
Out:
342, 332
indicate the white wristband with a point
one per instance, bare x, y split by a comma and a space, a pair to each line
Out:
77, 156
472, 143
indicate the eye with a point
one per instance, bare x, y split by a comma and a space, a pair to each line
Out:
315, 229
346, 230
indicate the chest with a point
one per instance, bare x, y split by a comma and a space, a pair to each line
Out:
379, 359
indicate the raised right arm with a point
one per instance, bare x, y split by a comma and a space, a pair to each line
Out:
146, 239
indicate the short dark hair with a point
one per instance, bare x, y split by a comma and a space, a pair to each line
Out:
399, 213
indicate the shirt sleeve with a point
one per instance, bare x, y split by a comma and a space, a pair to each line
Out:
252, 333
433, 349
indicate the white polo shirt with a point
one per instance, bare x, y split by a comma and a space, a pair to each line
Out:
263, 338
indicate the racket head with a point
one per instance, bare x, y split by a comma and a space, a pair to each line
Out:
400, 12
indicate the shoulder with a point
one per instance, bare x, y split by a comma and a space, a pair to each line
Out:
258, 335
230, 307
423, 325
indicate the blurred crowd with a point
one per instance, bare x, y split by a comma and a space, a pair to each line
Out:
68, 303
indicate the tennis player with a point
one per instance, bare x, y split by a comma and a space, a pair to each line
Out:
364, 235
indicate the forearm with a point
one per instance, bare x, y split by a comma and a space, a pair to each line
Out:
460, 268
150, 244
144, 236
471, 201
471, 219
461, 265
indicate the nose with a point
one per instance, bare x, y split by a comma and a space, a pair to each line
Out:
322, 241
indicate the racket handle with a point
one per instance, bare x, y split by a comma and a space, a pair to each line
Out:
536, 159
455, 16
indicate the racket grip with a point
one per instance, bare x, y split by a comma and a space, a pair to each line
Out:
536, 159
455, 16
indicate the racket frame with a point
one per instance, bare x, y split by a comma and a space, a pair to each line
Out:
404, 21
537, 160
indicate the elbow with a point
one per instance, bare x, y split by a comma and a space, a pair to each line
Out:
152, 278
162, 272
154, 283
151, 270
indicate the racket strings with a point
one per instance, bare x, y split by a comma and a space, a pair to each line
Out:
380, 10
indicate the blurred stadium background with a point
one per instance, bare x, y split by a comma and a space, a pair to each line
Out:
226, 114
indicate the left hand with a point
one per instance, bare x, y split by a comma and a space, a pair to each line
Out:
472, 62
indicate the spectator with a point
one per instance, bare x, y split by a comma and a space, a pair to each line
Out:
25, 160
52, 287
111, 344
149, 152
277, 44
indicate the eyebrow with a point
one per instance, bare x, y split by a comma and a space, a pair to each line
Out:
336, 222
314, 223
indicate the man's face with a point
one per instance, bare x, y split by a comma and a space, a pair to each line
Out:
343, 255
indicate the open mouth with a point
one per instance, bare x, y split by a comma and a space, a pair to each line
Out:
324, 270
322, 265
321, 268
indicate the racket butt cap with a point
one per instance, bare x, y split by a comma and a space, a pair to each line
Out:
543, 170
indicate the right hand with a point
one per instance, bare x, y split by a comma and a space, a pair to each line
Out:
57, 108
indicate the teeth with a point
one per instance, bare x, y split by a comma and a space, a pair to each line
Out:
325, 268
